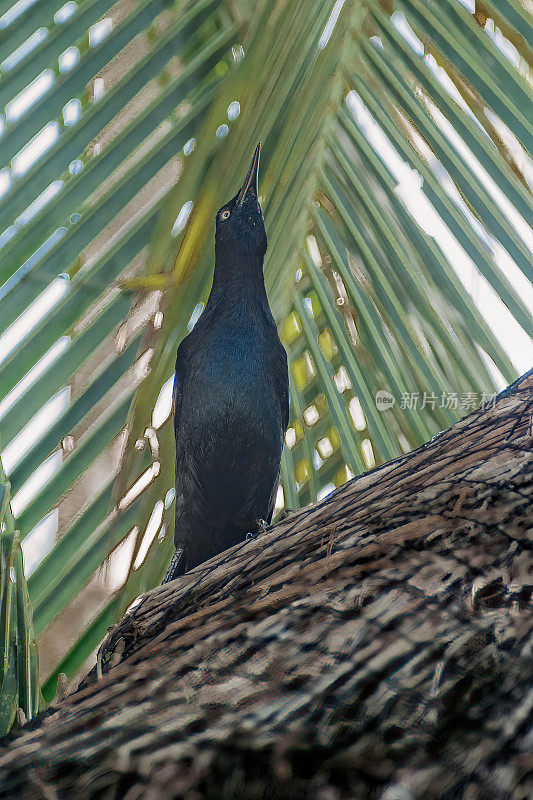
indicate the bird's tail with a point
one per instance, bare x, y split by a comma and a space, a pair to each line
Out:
177, 565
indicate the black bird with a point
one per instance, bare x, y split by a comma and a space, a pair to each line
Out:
230, 395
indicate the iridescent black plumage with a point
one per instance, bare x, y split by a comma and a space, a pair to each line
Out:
230, 395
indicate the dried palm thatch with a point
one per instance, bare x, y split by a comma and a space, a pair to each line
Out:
375, 645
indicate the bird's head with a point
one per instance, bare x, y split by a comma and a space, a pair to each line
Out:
239, 223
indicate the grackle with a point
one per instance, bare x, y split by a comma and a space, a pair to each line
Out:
230, 395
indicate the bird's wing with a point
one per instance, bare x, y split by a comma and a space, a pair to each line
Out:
185, 472
281, 377
177, 393
176, 398
282, 380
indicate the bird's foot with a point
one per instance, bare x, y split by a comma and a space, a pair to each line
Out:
177, 566
260, 527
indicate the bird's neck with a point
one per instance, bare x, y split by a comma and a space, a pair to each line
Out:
238, 279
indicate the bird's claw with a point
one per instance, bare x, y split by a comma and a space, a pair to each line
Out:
260, 527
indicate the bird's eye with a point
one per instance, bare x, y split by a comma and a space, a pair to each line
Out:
225, 214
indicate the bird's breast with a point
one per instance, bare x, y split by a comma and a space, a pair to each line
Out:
232, 376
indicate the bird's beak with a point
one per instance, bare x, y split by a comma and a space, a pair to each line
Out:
250, 185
